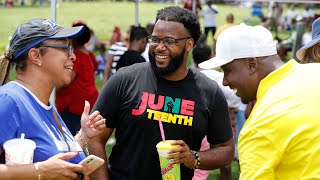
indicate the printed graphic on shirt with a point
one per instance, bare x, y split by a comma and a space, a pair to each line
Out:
60, 143
171, 110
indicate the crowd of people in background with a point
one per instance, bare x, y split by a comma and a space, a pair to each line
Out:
291, 21
137, 44
276, 19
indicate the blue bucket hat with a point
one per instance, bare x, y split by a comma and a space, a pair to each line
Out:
315, 39
35, 31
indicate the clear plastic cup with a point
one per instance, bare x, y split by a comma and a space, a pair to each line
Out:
19, 151
168, 171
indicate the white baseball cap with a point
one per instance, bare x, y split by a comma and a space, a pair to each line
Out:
241, 41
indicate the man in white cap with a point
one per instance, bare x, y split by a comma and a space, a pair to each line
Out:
280, 139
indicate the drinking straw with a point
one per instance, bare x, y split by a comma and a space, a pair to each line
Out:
161, 129
22, 139
22, 136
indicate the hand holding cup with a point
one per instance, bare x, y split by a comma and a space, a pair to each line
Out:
181, 154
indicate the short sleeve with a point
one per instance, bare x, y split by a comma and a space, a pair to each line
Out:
219, 130
109, 100
9, 118
112, 50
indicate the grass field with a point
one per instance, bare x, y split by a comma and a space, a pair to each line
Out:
101, 16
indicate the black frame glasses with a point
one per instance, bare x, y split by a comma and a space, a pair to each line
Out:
67, 47
168, 41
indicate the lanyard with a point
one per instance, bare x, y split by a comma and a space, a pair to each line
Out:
60, 128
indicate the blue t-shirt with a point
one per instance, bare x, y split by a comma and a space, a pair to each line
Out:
22, 112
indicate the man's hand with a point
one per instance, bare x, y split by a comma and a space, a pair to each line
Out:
181, 154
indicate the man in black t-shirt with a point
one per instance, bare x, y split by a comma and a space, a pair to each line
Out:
190, 105
138, 42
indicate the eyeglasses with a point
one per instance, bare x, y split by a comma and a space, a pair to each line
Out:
168, 41
67, 47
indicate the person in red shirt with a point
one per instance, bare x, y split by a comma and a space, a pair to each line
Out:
188, 5
115, 36
70, 100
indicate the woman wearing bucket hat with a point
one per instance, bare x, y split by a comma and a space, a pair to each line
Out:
43, 57
311, 51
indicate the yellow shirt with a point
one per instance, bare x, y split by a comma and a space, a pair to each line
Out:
220, 29
281, 138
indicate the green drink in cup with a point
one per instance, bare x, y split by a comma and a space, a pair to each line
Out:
168, 171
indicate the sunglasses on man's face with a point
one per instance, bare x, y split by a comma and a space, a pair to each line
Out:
67, 47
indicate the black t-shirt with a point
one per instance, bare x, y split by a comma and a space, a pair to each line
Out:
128, 58
190, 108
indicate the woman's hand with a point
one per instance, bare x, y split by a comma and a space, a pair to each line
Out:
91, 125
57, 168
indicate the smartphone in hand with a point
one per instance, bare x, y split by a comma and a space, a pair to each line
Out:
93, 162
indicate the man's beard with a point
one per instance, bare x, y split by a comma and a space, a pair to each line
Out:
174, 64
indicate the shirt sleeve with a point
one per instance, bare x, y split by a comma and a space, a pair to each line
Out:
258, 156
219, 130
9, 119
112, 50
109, 100
215, 8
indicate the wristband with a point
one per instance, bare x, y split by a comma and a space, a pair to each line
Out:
197, 159
83, 137
37, 170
